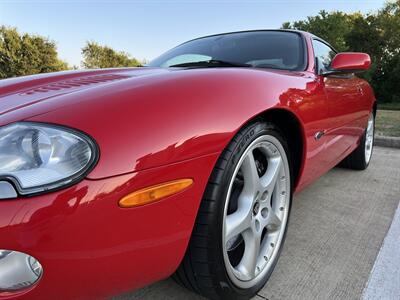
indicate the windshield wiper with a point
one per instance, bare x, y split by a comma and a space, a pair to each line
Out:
211, 63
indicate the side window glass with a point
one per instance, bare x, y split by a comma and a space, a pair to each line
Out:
324, 54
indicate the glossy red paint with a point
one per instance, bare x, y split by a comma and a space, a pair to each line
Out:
152, 126
351, 61
91, 248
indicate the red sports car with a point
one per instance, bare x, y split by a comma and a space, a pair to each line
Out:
113, 179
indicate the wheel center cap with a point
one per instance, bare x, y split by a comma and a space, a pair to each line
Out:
256, 208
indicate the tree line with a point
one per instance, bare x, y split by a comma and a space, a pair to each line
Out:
25, 54
375, 33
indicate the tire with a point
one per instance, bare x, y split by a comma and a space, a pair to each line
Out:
208, 267
360, 158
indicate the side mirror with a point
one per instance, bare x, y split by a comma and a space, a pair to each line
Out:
348, 62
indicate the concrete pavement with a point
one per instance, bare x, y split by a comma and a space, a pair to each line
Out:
336, 230
384, 281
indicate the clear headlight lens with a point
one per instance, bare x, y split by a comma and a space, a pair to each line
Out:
38, 157
18, 271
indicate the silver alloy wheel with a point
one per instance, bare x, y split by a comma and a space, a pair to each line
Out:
258, 222
369, 139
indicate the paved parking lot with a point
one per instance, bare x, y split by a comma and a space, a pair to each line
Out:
336, 230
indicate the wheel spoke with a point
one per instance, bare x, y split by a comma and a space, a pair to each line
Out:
239, 221
268, 180
250, 174
248, 264
273, 222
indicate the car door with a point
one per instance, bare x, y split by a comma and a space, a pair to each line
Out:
345, 105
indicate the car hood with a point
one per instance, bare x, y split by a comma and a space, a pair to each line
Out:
21, 92
153, 116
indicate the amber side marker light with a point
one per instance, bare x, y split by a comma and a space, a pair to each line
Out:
155, 193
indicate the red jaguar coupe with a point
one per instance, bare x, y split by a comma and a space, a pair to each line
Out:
113, 179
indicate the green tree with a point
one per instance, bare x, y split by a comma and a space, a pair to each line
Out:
387, 77
332, 26
98, 56
27, 54
377, 34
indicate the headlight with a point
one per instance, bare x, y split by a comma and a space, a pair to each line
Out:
38, 157
18, 271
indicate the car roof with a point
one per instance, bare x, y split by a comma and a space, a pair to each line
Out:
301, 32
252, 30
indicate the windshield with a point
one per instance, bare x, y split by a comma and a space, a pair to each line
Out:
260, 49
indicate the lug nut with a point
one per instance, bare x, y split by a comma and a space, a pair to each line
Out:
264, 195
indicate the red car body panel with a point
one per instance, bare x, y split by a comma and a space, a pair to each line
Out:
91, 248
152, 126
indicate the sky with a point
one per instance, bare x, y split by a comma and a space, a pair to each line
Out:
146, 29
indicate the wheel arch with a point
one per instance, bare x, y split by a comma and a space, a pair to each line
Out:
292, 128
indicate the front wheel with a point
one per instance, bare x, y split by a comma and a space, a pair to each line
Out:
242, 220
359, 159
